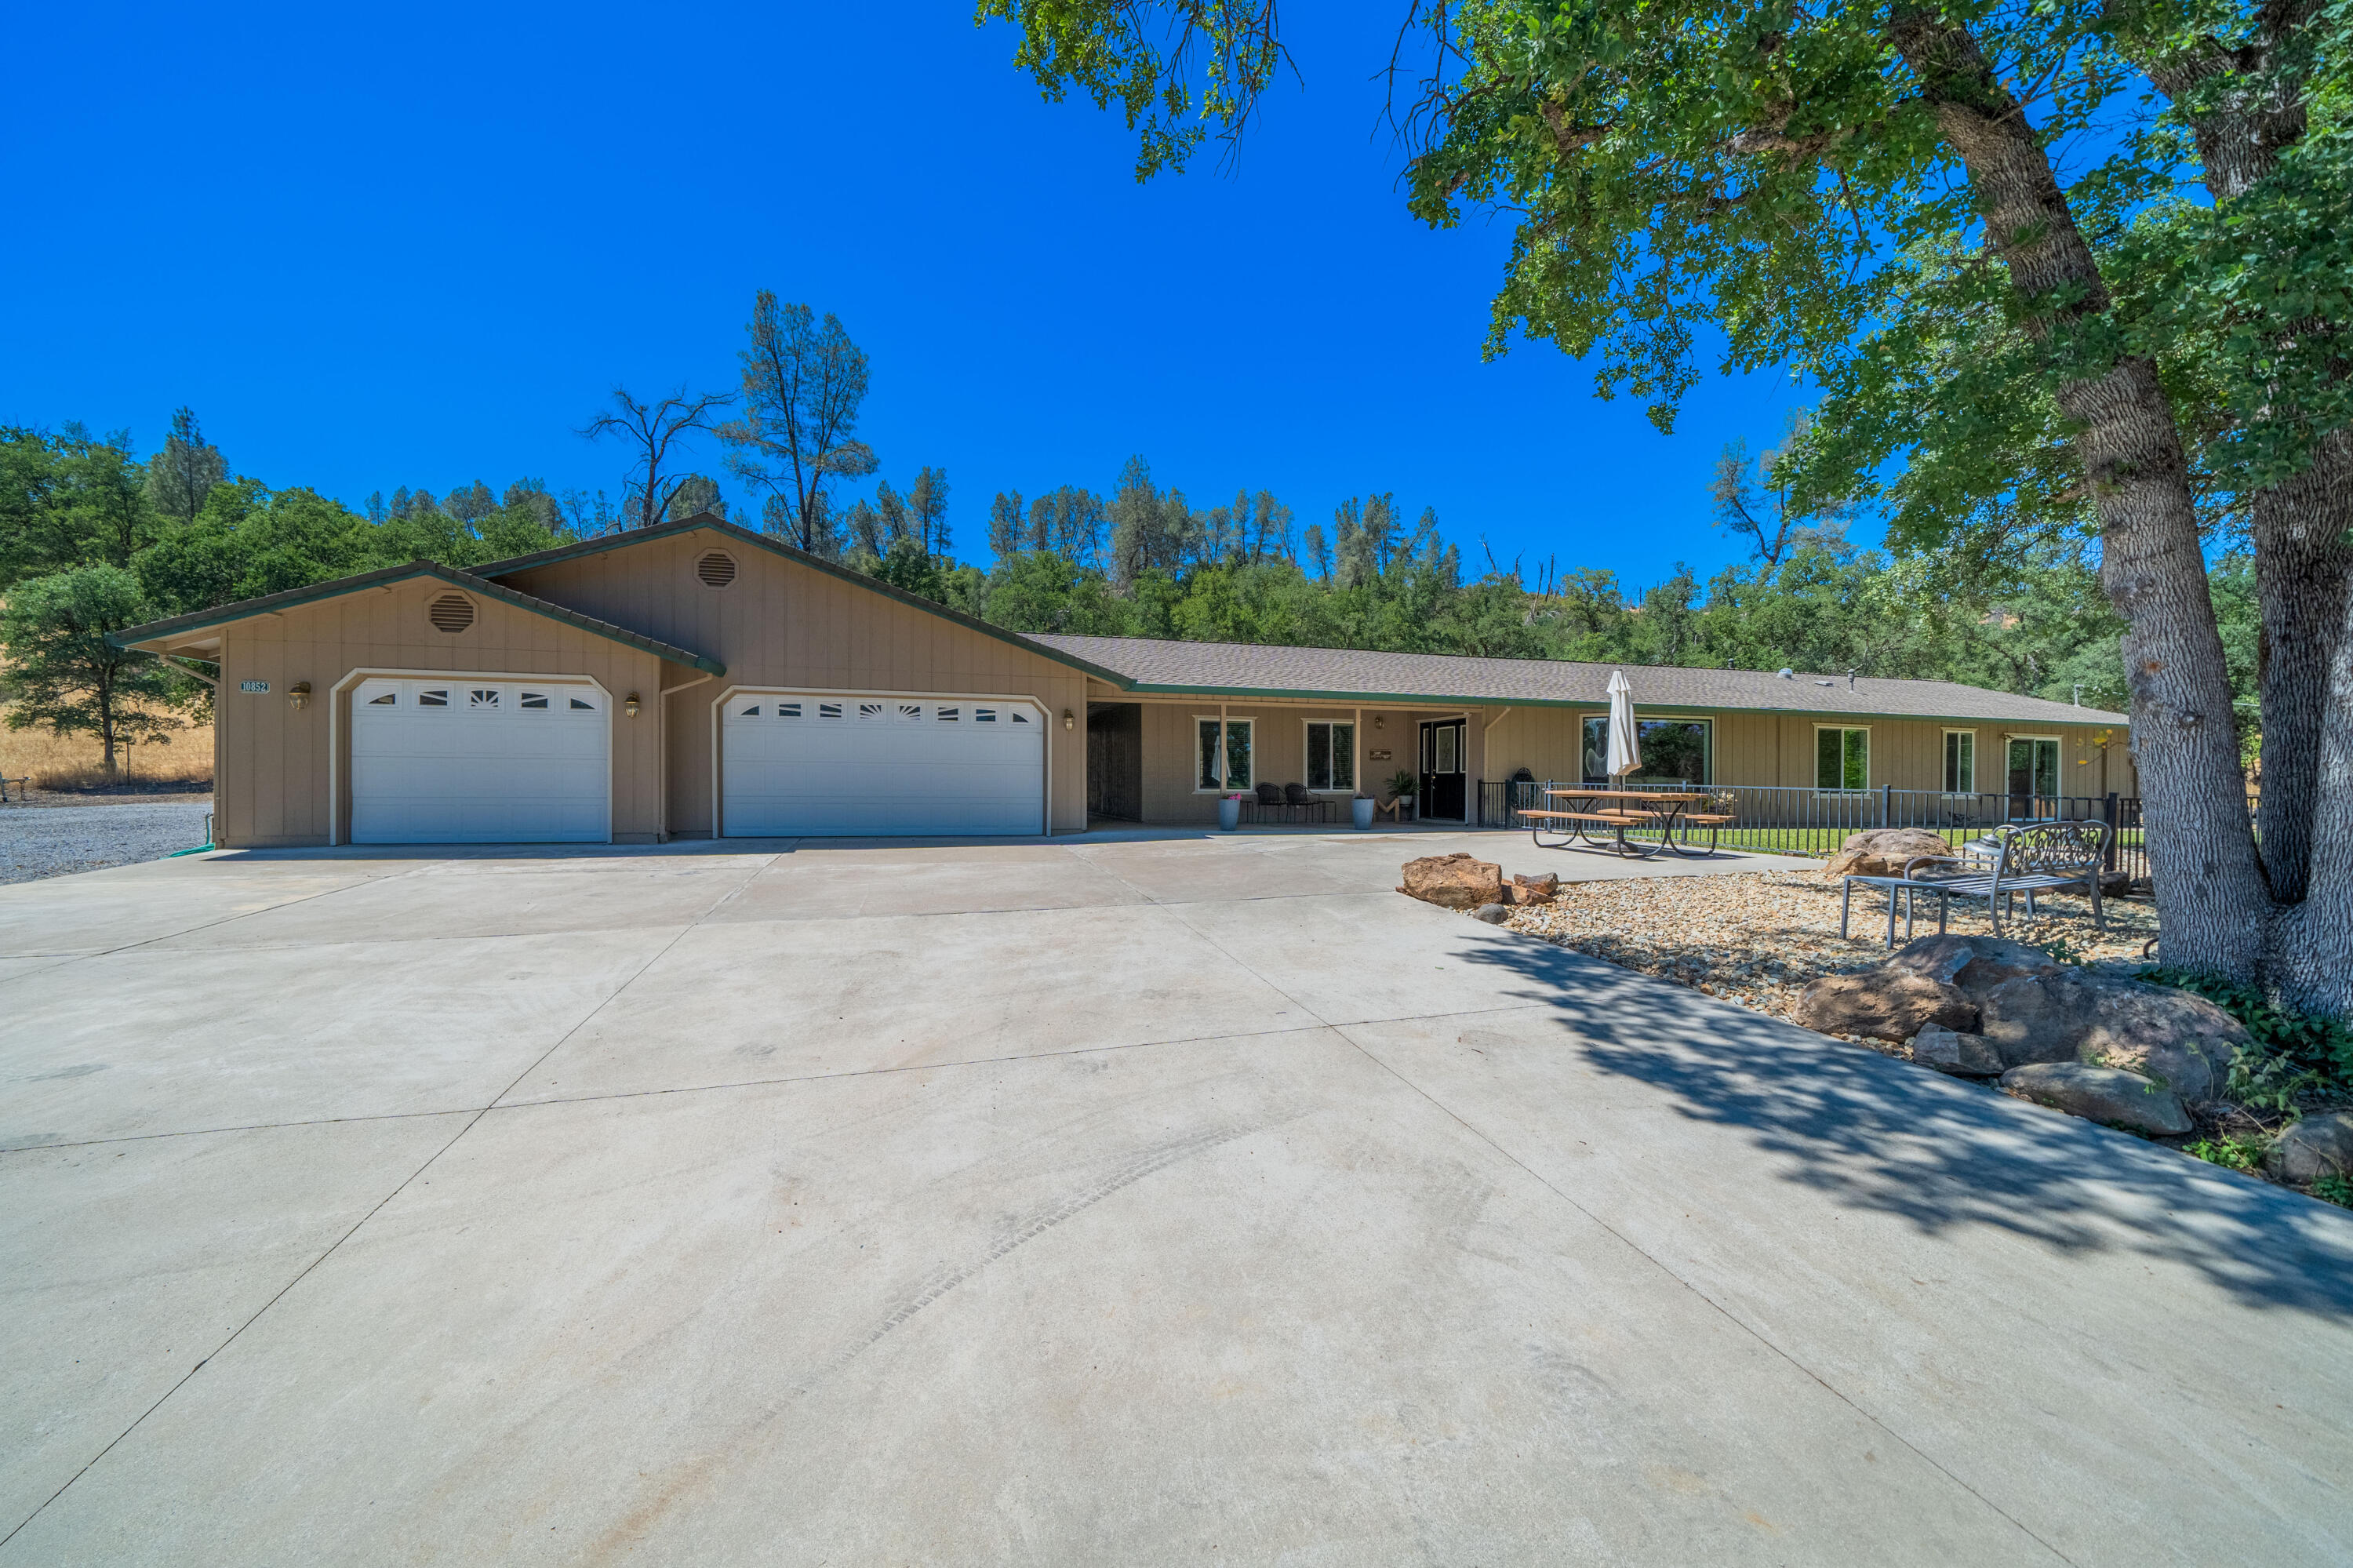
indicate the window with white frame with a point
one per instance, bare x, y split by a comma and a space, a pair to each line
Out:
1238, 738
1673, 751
1961, 762
1331, 757
2033, 765
1842, 758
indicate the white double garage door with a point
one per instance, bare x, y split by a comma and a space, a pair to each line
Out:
829, 764
489, 759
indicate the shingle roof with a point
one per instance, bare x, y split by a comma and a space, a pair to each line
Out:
1246, 669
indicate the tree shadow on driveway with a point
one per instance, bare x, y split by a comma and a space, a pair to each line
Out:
1874, 1133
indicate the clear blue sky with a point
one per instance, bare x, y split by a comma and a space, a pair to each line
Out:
377, 246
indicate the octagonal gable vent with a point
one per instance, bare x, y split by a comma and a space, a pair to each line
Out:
452, 612
715, 568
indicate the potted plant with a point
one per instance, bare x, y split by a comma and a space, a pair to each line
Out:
1405, 786
1361, 809
1230, 813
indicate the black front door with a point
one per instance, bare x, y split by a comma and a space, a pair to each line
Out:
1445, 784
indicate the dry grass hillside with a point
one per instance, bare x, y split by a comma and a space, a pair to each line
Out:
72, 762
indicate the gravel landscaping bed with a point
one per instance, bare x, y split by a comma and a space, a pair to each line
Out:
57, 835
1758, 939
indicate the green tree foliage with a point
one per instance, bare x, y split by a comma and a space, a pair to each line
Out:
181, 475
69, 499
804, 383
64, 675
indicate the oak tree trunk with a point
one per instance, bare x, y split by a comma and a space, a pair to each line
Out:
2210, 895
2302, 565
2246, 105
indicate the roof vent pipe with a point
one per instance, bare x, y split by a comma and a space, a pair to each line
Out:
1787, 673
1850, 677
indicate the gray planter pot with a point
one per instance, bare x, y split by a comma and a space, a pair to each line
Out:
1230, 814
1361, 808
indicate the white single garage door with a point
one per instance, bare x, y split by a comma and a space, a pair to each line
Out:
814, 765
471, 759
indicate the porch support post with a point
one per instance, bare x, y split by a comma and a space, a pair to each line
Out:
1357, 746
1224, 745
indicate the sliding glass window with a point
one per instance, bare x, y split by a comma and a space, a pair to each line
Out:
1332, 758
1841, 759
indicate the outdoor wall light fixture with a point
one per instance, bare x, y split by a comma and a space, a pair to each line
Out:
630, 704
1379, 723
299, 696
1068, 722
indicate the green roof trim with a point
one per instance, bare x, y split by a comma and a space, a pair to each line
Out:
720, 526
291, 598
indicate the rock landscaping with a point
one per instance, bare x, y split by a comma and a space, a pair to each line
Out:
2056, 1018
1453, 881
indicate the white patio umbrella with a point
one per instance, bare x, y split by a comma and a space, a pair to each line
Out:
1625, 753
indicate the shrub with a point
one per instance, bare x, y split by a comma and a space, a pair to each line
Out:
2236, 1153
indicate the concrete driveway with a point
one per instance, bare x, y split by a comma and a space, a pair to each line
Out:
1172, 1198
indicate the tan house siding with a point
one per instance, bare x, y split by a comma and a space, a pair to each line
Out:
783, 624
1778, 748
273, 783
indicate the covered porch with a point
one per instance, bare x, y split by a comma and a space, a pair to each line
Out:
1167, 761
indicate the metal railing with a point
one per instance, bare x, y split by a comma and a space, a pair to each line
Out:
1789, 819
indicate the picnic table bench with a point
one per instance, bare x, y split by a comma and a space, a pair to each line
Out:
1618, 810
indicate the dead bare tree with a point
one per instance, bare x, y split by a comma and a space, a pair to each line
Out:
651, 428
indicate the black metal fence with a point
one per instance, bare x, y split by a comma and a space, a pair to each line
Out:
1786, 819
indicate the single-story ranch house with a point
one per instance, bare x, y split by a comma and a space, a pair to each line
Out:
695, 679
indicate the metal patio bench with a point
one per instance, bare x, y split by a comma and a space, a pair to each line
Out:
2031, 858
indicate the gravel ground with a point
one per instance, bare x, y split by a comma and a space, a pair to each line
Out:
1758, 939
50, 837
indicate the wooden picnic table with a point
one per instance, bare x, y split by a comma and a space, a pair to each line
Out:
1593, 807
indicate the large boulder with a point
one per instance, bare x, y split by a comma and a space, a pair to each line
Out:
1975, 964
2073, 1015
1963, 1055
2316, 1146
1455, 881
2106, 1094
1882, 851
1883, 1004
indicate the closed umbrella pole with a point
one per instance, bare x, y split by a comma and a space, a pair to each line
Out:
1625, 751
